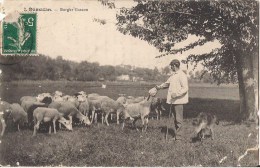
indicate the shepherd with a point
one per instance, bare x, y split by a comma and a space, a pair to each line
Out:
177, 96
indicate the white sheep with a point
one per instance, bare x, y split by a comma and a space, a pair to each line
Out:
135, 111
19, 116
69, 110
108, 106
131, 99
121, 100
5, 112
43, 114
95, 105
27, 98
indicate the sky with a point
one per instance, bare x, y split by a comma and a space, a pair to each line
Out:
75, 36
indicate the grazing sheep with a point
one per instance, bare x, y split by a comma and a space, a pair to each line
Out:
19, 115
5, 113
43, 114
108, 106
69, 110
138, 110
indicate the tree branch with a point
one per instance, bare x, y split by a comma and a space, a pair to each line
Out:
197, 43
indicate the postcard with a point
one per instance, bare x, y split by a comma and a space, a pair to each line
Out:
132, 83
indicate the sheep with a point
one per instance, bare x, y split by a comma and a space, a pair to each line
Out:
121, 100
29, 107
157, 107
69, 110
41, 96
95, 105
74, 101
108, 106
43, 114
27, 98
93, 95
5, 113
138, 110
134, 100
19, 116
58, 93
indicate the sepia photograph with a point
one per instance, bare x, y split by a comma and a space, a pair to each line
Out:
129, 83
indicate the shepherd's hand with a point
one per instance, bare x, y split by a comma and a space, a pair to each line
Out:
153, 91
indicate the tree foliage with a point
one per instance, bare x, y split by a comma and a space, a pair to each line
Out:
43, 67
164, 23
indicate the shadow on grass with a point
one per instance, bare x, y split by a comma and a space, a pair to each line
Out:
225, 110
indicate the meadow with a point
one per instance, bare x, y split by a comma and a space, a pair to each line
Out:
101, 145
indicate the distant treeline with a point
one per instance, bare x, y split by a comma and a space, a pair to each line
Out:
46, 68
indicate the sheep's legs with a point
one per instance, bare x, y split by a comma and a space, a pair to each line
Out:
212, 133
36, 127
123, 125
106, 116
111, 117
145, 123
18, 127
4, 126
198, 129
54, 126
70, 117
49, 129
117, 117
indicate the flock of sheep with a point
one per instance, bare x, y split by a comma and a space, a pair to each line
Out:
66, 110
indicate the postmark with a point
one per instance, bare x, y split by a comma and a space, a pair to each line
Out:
20, 34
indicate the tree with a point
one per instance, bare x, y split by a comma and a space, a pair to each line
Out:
233, 23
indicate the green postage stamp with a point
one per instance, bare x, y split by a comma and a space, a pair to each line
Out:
19, 34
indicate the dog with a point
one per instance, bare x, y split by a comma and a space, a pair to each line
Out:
204, 124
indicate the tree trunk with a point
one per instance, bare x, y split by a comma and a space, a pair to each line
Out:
245, 70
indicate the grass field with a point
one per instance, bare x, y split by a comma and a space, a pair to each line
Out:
100, 145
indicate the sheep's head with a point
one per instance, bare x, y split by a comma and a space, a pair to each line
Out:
82, 98
66, 123
86, 120
41, 96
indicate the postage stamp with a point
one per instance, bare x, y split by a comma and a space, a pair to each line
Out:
19, 34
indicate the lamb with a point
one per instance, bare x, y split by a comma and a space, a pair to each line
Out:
69, 110
19, 116
43, 114
135, 111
